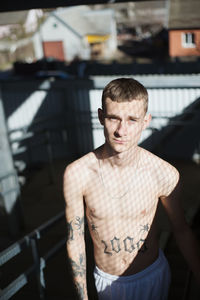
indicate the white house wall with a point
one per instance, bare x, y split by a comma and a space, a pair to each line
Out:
72, 44
71, 26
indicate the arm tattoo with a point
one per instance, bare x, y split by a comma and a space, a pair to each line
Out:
80, 225
80, 289
70, 231
79, 269
143, 248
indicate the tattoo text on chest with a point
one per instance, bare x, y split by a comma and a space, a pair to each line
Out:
128, 245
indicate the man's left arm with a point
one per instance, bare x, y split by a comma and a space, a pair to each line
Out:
185, 238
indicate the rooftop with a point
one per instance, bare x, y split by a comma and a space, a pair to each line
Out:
184, 14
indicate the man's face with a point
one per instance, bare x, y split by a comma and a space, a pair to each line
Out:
123, 123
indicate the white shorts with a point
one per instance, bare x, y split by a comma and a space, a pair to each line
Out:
150, 284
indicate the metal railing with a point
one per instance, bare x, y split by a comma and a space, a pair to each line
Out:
39, 262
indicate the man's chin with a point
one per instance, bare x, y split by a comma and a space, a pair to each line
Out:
119, 148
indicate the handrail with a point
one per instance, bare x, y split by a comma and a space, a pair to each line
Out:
30, 240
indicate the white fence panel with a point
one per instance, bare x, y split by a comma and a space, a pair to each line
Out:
164, 103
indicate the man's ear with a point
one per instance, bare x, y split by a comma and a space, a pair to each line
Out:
101, 116
147, 120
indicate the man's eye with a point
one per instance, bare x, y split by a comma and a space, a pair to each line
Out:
112, 119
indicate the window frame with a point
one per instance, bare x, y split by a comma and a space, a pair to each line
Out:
188, 40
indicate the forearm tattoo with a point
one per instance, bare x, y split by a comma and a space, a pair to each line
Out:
79, 273
75, 228
80, 290
78, 268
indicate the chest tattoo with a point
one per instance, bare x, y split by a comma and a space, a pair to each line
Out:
105, 248
145, 228
128, 244
115, 244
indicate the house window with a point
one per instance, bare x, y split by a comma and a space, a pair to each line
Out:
188, 40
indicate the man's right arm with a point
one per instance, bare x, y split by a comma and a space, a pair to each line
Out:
75, 226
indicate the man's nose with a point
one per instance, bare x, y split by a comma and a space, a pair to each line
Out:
122, 128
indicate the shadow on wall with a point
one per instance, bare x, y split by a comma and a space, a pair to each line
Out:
47, 120
180, 139
53, 118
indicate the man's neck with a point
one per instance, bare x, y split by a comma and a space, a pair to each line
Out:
121, 160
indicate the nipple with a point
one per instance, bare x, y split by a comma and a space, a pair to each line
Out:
143, 212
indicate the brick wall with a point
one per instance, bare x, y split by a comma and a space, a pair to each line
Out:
184, 42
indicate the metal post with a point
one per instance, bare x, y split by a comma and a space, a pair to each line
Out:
50, 156
38, 268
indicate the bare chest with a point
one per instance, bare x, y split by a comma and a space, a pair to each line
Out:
133, 198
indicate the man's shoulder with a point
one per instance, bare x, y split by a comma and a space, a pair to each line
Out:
167, 176
157, 163
81, 166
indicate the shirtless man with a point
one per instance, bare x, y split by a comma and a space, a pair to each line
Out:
120, 184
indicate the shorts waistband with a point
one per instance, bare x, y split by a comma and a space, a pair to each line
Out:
135, 276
